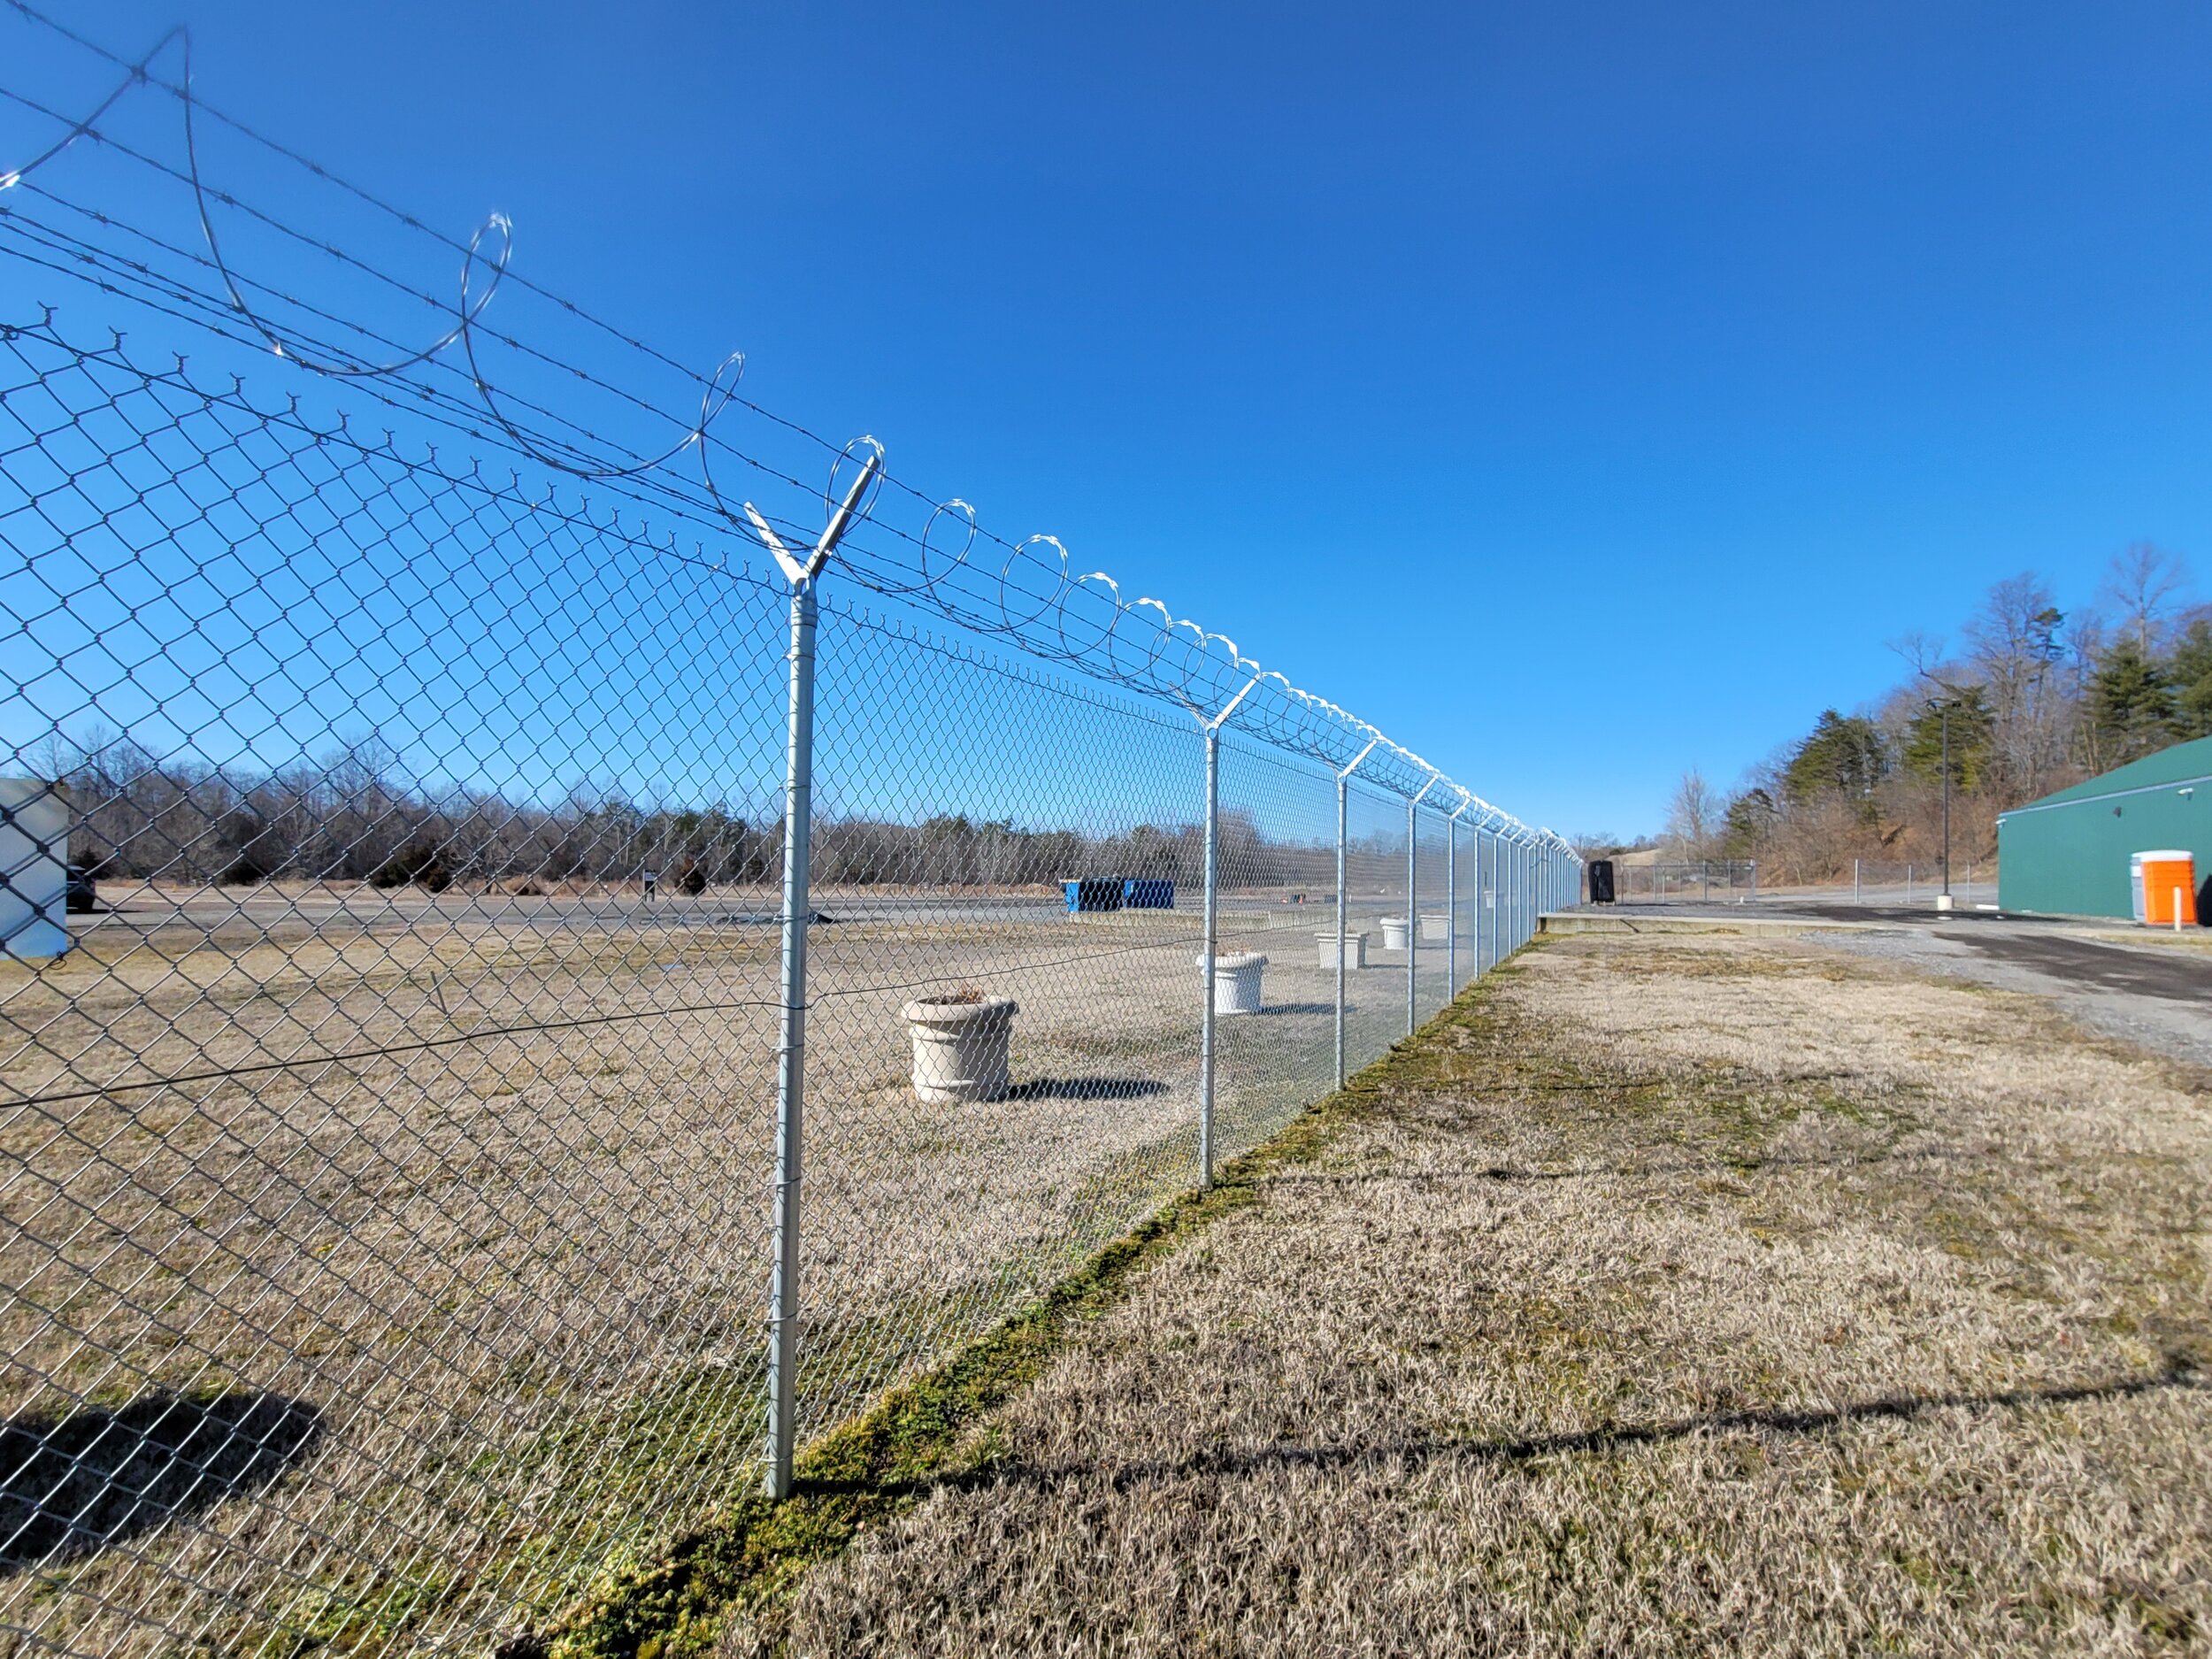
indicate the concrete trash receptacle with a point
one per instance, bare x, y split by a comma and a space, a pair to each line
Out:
960, 1046
1355, 950
1394, 931
1236, 981
1436, 928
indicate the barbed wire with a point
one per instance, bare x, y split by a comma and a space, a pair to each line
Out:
1030, 592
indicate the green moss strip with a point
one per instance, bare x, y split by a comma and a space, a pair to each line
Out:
866, 1471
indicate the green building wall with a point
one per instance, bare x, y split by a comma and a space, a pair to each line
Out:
2067, 854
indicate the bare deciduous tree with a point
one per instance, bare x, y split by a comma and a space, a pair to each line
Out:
2017, 654
1694, 814
2144, 582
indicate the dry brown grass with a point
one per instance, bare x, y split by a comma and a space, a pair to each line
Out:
1683, 1295
480, 1191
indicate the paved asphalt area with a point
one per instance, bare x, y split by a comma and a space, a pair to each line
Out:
2176, 975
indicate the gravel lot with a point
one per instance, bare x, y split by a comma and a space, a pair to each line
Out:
2147, 990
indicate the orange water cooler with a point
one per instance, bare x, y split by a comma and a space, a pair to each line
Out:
2165, 889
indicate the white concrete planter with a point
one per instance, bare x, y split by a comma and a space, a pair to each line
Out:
1394, 932
1436, 929
960, 1046
1237, 981
1355, 949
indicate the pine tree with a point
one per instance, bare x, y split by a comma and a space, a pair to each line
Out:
1922, 757
2132, 711
2190, 668
1843, 756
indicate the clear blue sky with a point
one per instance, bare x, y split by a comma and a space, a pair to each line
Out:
1576, 392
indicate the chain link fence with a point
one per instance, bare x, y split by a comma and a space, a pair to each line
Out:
1692, 881
1885, 882
507, 1027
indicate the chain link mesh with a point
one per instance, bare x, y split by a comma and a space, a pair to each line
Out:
390, 1149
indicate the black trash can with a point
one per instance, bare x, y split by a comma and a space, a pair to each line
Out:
1600, 881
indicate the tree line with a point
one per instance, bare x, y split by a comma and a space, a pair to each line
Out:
2034, 698
353, 817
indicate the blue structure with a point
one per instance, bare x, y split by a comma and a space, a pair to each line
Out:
1120, 893
1094, 893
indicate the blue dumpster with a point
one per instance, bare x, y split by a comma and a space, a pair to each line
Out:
1148, 892
1094, 893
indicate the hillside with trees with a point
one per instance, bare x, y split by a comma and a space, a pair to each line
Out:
2037, 698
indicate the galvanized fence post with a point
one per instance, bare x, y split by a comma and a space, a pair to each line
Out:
1496, 892
783, 1318
1451, 905
1451, 897
1511, 851
1206, 1014
1212, 908
1413, 906
798, 912
1343, 792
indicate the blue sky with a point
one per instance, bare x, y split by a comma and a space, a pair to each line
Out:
1578, 393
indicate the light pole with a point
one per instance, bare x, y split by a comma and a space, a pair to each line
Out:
1943, 712
1947, 804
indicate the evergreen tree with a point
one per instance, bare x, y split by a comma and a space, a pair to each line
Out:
1970, 727
2190, 668
1843, 756
2132, 711
1750, 816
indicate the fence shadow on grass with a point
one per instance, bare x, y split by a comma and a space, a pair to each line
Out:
76, 1481
1743, 1163
1086, 1088
2179, 1371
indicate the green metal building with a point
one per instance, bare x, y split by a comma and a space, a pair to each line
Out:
2067, 854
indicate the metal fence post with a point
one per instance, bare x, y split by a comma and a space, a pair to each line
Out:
1343, 792
798, 912
1206, 1014
1505, 896
1509, 897
1413, 906
1206, 972
798, 809
1451, 898
1497, 892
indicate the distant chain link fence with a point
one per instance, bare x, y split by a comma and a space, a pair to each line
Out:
1878, 882
510, 1025
1666, 882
